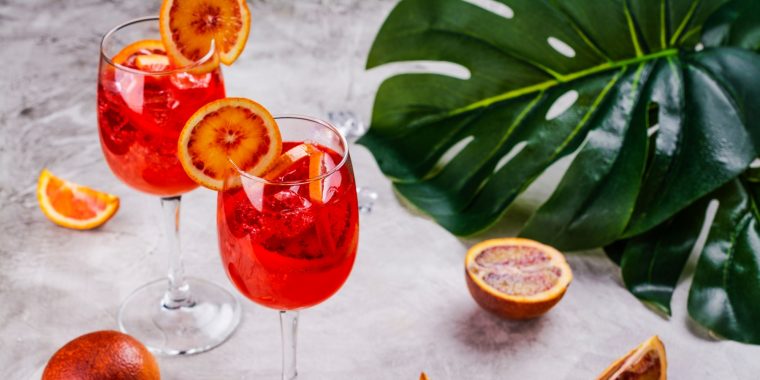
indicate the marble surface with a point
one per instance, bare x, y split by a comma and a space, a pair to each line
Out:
405, 307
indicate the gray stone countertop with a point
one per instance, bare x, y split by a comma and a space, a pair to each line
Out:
405, 307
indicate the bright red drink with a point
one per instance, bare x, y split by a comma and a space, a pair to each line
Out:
141, 111
282, 248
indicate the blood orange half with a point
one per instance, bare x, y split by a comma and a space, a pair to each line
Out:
516, 278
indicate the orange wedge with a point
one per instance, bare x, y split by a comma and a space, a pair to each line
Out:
188, 28
423, 376
74, 206
645, 362
129, 54
232, 129
516, 278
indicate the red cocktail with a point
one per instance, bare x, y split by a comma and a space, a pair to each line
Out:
142, 106
143, 103
288, 241
285, 250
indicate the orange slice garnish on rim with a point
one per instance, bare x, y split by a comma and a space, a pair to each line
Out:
232, 129
188, 28
74, 206
516, 278
645, 362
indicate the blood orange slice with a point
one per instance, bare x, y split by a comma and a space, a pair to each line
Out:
516, 278
645, 362
235, 129
74, 206
188, 28
128, 55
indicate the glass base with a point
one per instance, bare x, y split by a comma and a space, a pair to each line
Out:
207, 322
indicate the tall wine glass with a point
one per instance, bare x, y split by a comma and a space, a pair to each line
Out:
140, 116
289, 243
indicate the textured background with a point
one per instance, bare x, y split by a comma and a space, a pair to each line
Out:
405, 307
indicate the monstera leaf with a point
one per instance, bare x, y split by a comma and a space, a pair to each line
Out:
656, 119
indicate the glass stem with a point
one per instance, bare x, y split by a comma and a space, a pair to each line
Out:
178, 295
289, 327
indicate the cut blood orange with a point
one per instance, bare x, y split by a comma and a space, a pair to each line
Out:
74, 206
516, 278
232, 129
645, 362
128, 55
188, 28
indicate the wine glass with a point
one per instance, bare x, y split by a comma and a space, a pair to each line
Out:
289, 242
140, 116
351, 127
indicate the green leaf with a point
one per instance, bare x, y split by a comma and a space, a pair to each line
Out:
603, 180
726, 285
735, 24
653, 123
652, 263
496, 120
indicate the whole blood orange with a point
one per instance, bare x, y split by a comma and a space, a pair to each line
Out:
516, 278
102, 355
645, 362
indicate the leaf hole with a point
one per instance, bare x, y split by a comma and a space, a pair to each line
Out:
449, 69
450, 154
652, 130
493, 6
510, 155
562, 104
561, 47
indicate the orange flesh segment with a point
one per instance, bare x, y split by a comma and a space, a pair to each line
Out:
75, 203
189, 27
516, 270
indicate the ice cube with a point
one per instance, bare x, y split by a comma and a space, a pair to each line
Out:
188, 81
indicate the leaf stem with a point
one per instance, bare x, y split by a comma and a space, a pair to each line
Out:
562, 79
